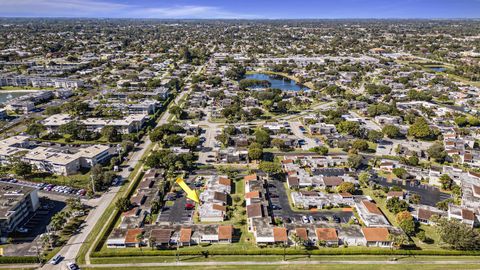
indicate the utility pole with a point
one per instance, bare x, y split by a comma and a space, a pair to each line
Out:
93, 183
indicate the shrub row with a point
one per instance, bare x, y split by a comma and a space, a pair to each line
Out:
18, 259
268, 251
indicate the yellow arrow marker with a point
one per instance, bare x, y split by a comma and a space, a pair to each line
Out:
191, 194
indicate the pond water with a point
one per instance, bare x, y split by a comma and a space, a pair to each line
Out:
278, 82
438, 69
4, 97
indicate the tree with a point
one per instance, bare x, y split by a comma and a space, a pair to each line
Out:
355, 161
400, 173
374, 135
111, 134
35, 129
420, 129
51, 110
262, 137
191, 142
346, 187
457, 235
297, 240
177, 111
255, 151
415, 198
364, 178
349, 127
22, 168
405, 222
58, 221
446, 182
437, 152
360, 145
391, 131
123, 204
322, 150
270, 167
279, 143
443, 205
395, 205
398, 240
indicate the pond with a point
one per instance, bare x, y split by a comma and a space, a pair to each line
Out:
438, 69
277, 81
6, 96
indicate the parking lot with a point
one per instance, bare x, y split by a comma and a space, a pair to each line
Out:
26, 244
65, 190
281, 208
177, 213
429, 195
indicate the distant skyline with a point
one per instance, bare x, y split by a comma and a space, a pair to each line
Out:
244, 9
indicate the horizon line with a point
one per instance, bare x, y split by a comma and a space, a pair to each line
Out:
244, 19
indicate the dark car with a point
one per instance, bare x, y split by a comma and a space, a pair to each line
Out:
336, 219
273, 195
276, 207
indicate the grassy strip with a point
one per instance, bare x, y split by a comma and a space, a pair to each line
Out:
329, 266
241, 250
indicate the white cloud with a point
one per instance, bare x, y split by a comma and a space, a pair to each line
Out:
92, 8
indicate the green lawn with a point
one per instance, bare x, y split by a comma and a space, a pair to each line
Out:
319, 266
77, 180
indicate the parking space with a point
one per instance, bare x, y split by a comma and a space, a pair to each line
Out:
280, 208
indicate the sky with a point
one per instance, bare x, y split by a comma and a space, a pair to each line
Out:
242, 9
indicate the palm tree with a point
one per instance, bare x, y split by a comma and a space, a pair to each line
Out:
152, 241
139, 238
297, 240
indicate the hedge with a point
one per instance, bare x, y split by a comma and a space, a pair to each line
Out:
18, 259
268, 251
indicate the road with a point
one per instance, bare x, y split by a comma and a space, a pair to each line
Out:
70, 251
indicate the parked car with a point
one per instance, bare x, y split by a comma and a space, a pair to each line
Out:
55, 260
22, 230
305, 219
189, 206
336, 219
72, 266
273, 195
311, 219
276, 207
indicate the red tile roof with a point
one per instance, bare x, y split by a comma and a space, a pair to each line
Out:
252, 194
371, 207
225, 232
302, 233
224, 181
376, 234
185, 235
326, 234
251, 177
131, 236
280, 234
